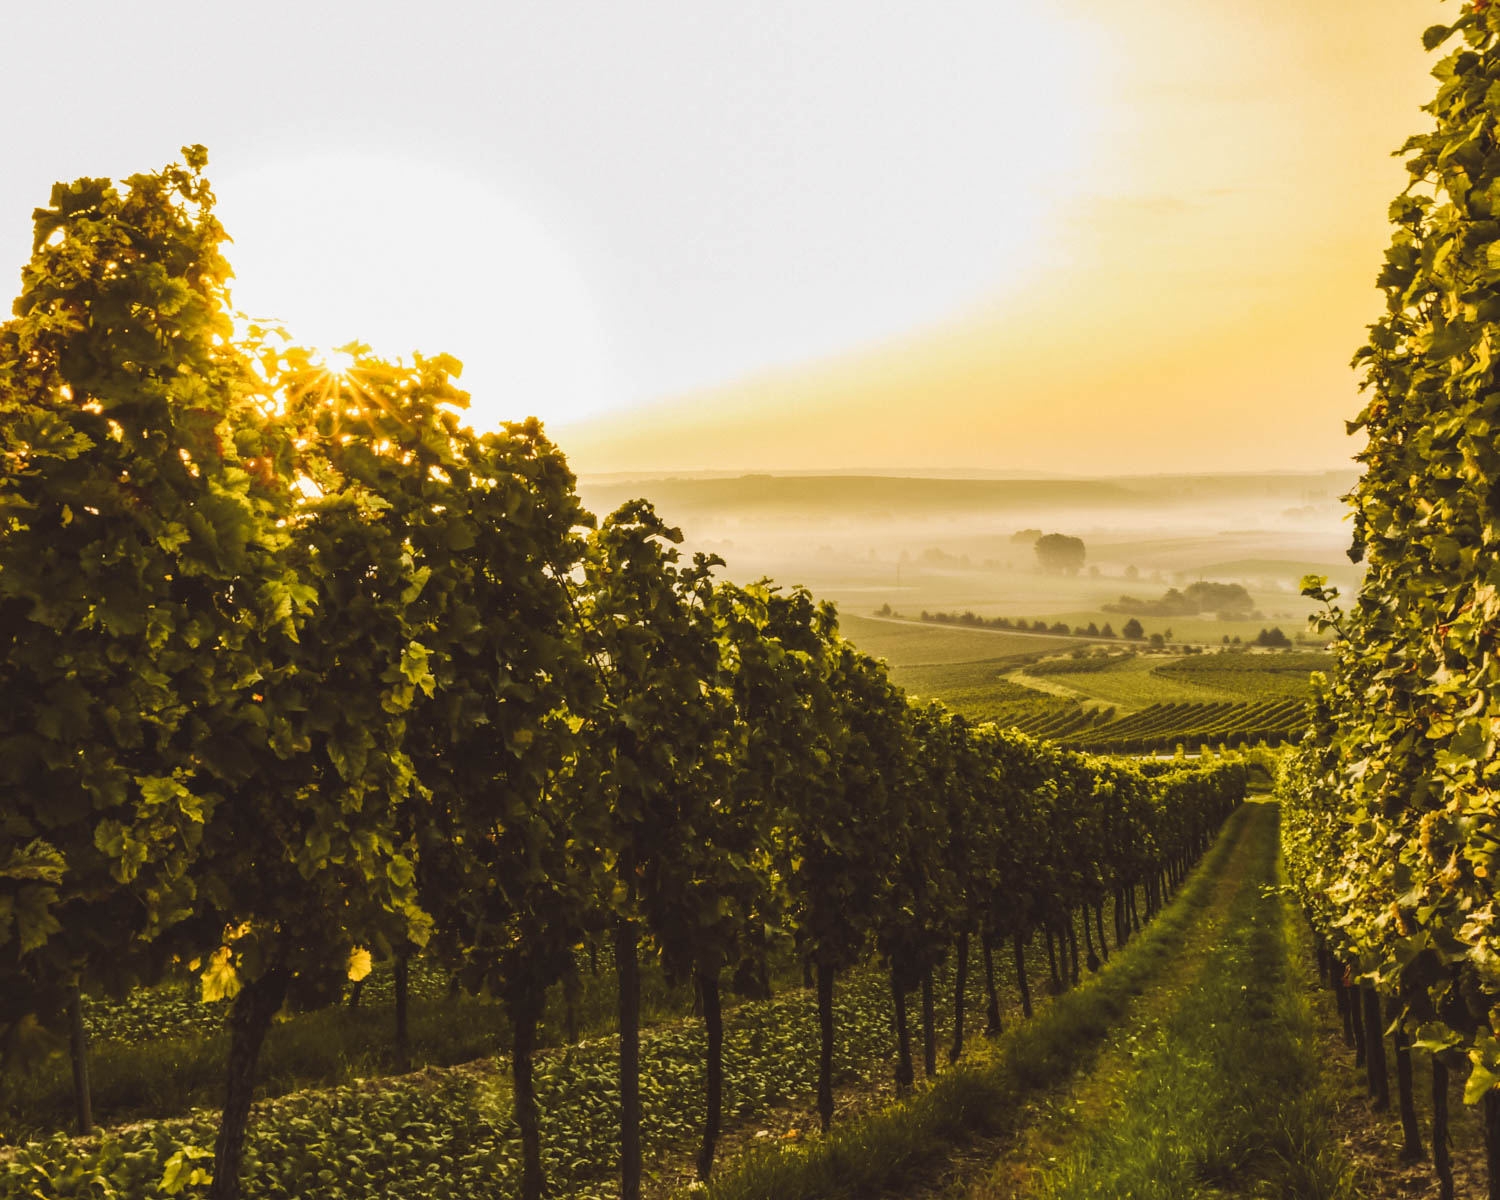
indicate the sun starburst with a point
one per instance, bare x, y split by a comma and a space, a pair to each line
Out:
339, 361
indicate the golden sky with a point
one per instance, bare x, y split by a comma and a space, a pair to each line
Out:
1047, 235
1200, 287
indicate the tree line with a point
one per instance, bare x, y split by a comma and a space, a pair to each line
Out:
301, 671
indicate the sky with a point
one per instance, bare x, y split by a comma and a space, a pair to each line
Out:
1084, 237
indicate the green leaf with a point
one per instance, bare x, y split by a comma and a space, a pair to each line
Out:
1481, 1080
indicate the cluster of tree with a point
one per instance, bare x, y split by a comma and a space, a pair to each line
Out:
301, 670
1229, 600
1392, 825
1019, 624
1060, 554
1273, 638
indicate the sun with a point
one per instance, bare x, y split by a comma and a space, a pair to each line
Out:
409, 258
336, 362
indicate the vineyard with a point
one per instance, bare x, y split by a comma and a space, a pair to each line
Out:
308, 676
1392, 826
1128, 703
378, 822
1161, 727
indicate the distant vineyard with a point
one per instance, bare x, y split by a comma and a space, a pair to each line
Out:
1060, 720
1090, 664
1129, 703
1295, 664
1163, 726
1251, 676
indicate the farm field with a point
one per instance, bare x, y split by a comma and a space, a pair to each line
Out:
462, 1113
986, 690
1219, 1070
903, 644
1161, 727
942, 556
1146, 679
1131, 683
1030, 596
1113, 699
1059, 1106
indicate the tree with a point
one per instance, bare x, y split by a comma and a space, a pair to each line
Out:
488, 523
656, 746
1272, 637
1060, 554
774, 645
923, 896
1132, 630
248, 800
140, 570
305, 863
833, 838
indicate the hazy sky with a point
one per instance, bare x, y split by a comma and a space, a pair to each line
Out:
1091, 236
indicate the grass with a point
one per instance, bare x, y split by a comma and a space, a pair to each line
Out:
980, 691
1227, 1096
395, 1137
902, 1143
1134, 683
170, 1075
926, 645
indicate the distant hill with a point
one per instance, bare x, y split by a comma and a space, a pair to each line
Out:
857, 496
846, 496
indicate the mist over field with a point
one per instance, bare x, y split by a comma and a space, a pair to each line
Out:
922, 542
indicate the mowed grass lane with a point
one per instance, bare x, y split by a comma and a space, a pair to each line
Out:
1218, 1093
951, 1131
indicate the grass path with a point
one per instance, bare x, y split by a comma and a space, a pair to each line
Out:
927, 1145
1062, 1115
1211, 1087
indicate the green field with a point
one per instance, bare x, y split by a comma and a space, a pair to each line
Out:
1137, 683
1125, 702
905, 645
1250, 675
